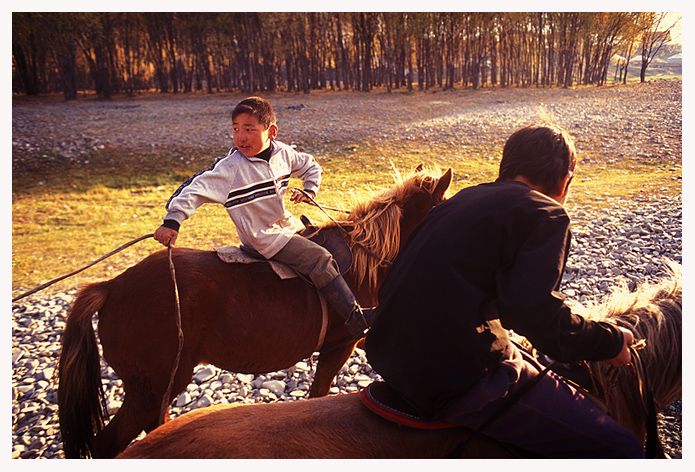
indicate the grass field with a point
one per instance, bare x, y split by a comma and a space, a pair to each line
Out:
65, 217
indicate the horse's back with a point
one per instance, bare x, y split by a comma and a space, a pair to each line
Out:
333, 427
219, 306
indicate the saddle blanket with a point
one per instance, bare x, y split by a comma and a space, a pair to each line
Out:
236, 254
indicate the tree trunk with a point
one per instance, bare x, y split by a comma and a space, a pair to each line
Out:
27, 78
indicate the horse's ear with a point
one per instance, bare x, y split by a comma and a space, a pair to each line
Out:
442, 185
419, 167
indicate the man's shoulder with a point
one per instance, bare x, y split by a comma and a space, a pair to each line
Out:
498, 191
525, 194
513, 196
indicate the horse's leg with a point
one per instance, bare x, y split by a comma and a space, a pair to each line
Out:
140, 411
133, 417
183, 377
329, 364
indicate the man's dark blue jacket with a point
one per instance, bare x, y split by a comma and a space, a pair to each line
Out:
488, 259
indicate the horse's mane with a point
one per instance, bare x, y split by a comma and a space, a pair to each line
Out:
375, 223
653, 312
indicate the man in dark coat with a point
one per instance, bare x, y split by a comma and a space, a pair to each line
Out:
485, 261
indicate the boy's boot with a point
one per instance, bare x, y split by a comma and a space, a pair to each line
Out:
340, 297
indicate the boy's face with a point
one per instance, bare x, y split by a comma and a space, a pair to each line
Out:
251, 136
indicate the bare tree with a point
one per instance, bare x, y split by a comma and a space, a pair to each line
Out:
654, 35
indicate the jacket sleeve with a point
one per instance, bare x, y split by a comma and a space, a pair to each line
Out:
305, 168
529, 303
208, 186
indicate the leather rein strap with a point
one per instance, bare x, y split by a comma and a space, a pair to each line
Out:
167, 394
653, 449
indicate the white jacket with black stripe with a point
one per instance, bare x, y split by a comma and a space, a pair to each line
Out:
252, 191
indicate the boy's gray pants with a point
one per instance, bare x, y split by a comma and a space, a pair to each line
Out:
309, 259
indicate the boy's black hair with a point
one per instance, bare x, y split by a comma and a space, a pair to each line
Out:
258, 107
543, 153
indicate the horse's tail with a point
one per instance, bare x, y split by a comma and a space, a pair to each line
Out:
80, 394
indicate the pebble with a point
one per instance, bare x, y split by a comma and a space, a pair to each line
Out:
625, 241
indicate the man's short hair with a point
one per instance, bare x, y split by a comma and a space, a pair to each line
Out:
543, 153
258, 107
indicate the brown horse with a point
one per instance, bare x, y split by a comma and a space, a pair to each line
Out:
341, 426
240, 317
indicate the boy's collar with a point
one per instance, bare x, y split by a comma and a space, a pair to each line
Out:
265, 154
271, 149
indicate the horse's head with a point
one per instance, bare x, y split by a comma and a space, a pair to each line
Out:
428, 189
654, 314
383, 223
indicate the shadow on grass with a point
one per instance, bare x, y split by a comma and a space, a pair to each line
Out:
109, 168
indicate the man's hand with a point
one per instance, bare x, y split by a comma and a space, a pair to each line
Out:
624, 357
166, 236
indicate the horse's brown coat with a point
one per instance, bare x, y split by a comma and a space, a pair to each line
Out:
333, 427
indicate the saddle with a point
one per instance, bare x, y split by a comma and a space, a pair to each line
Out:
385, 402
331, 240
328, 238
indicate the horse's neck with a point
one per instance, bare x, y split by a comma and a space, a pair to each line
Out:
620, 392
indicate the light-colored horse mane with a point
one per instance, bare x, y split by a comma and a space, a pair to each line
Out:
653, 312
375, 223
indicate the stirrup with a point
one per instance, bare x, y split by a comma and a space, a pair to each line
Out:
355, 321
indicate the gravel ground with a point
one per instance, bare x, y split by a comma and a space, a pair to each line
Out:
627, 239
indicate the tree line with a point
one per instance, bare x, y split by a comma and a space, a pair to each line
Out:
130, 52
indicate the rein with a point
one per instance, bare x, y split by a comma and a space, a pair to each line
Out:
165, 400
51, 282
167, 394
323, 209
653, 449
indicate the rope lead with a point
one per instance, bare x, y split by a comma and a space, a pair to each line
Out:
48, 284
